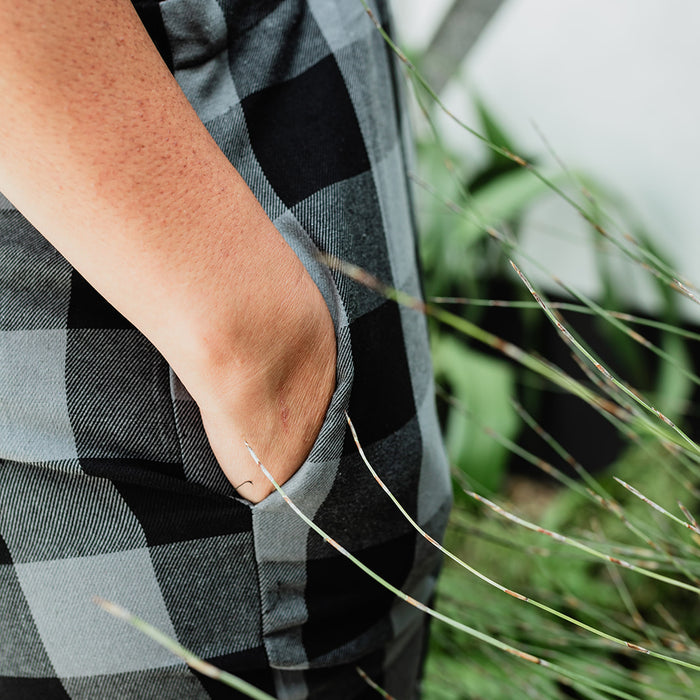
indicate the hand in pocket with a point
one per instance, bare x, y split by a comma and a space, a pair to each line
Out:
278, 402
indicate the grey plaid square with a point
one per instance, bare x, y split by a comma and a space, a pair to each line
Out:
22, 652
65, 514
34, 421
34, 289
99, 643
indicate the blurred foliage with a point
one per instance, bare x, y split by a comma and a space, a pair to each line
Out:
461, 259
485, 385
609, 598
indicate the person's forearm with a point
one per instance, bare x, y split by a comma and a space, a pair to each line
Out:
101, 151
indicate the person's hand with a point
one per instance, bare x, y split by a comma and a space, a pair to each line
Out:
278, 399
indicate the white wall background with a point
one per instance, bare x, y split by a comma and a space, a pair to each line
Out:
613, 84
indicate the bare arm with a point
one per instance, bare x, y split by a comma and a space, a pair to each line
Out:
101, 151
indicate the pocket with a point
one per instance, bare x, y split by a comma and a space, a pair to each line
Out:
199, 463
314, 478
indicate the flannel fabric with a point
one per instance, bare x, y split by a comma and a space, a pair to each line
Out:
107, 484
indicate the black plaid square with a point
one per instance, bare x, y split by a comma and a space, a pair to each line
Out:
168, 508
343, 219
382, 397
118, 395
32, 689
305, 133
34, 291
89, 309
213, 601
250, 665
21, 646
354, 603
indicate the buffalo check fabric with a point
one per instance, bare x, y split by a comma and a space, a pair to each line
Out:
107, 483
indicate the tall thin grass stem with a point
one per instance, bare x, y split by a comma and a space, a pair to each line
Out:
192, 660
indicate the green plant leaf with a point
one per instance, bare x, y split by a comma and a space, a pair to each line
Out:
483, 386
493, 131
504, 199
673, 389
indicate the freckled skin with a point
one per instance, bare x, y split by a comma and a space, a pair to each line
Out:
101, 151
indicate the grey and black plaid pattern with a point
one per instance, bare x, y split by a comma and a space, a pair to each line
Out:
107, 484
